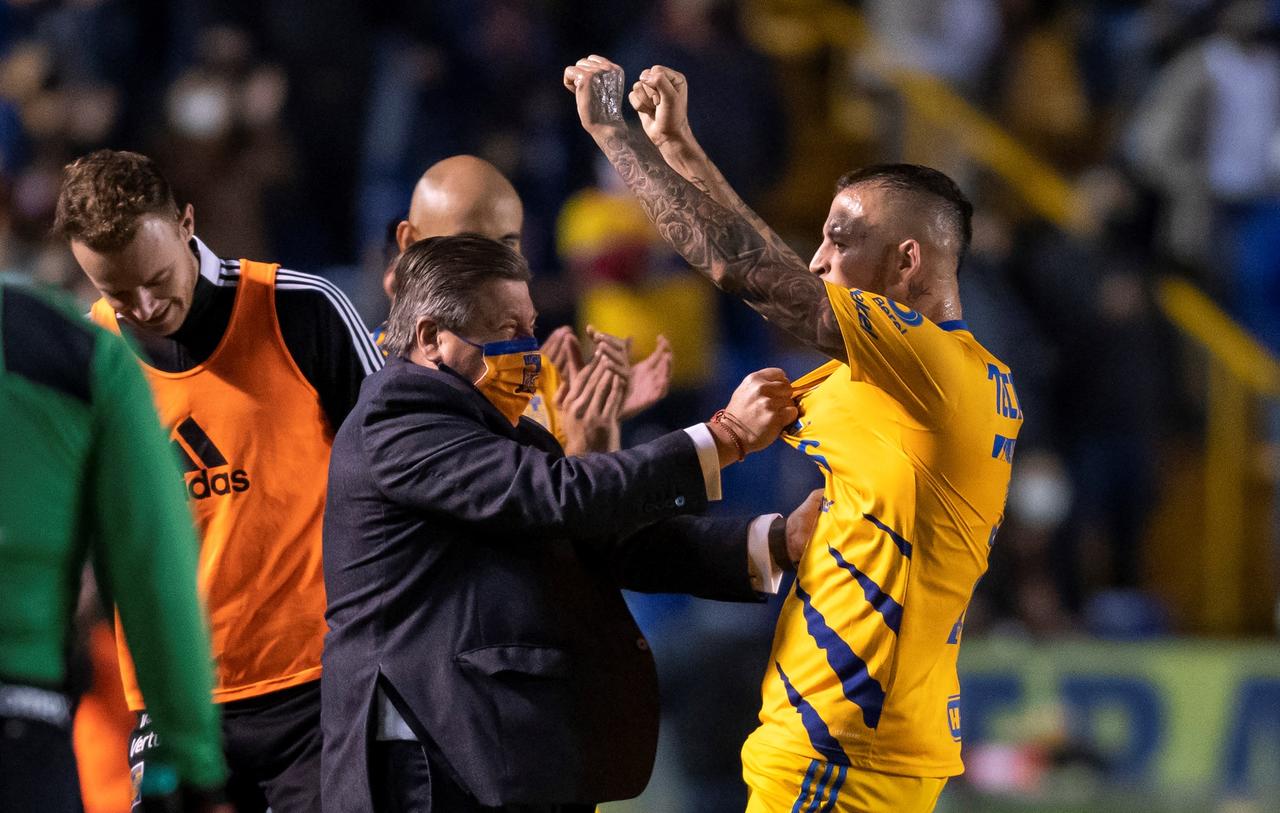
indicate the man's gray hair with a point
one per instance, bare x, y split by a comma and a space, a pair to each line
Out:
442, 279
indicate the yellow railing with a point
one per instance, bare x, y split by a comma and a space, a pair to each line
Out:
1240, 354
1240, 368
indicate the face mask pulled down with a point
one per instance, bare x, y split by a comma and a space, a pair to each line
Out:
510, 378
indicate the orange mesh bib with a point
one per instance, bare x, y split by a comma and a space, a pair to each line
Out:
253, 440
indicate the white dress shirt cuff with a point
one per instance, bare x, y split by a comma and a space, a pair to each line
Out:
766, 576
708, 457
389, 724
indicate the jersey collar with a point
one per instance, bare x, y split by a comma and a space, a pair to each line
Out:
210, 263
954, 324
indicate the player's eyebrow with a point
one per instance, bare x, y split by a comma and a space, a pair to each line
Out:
151, 279
840, 227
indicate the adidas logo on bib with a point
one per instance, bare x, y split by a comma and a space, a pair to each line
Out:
198, 455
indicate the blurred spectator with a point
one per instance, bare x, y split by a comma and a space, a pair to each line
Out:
954, 40
1207, 137
1093, 294
411, 123
1120, 43
477, 78
1018, 593
13, 138
223, 145
1040, 53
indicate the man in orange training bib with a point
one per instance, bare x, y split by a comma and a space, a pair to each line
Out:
252, 368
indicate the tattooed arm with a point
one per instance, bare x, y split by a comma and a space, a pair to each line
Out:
740, 257
661, 98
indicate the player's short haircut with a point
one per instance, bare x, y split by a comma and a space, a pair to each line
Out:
955, 208
443, 279
105, 193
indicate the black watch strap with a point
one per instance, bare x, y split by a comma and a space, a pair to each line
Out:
778, 545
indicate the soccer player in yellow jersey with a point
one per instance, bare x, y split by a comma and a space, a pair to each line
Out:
912, 424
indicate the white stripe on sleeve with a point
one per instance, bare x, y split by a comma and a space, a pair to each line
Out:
369, 354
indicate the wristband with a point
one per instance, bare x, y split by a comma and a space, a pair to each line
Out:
778, 545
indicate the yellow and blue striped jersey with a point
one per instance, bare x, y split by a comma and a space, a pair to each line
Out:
914, 438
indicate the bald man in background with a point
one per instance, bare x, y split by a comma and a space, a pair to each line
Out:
462, 194
466, 194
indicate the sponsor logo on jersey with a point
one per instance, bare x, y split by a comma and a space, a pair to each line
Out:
901, 317
864, 312
379, 336
909, 317
205, 468
537, 411
143, 743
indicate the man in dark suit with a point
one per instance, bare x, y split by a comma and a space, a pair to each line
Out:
479, 653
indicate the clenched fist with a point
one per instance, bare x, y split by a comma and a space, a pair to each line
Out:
661, 98
758, 411
597, 85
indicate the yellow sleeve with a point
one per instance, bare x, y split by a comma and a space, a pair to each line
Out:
897, 349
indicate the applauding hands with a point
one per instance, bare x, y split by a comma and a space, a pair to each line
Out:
596, 394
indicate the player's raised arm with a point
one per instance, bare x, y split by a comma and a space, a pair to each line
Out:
661, 99
733, 251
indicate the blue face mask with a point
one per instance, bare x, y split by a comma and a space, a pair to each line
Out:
510, 376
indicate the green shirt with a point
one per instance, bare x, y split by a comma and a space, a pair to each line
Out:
86, 473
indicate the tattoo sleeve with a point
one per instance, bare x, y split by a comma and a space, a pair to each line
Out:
731, 250
698, 169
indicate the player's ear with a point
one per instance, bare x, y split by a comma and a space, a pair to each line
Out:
187, 221
908, 260
405, 236
389, 281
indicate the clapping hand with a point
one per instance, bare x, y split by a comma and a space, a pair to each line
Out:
590, 396
650, 379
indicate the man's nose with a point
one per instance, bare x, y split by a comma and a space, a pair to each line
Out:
145, 306
818, 265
